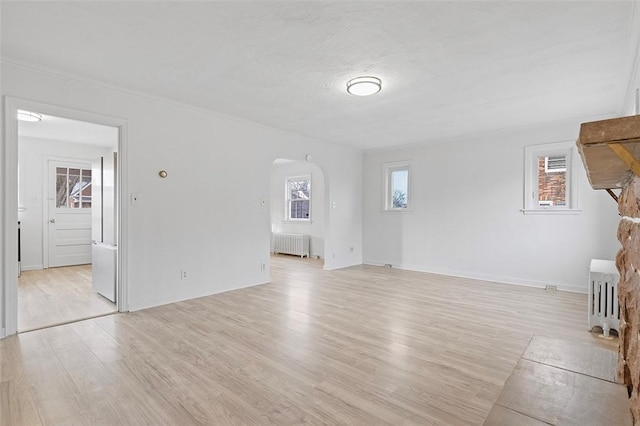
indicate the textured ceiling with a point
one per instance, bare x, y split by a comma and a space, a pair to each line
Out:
449, 69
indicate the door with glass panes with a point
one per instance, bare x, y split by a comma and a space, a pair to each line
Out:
69, 218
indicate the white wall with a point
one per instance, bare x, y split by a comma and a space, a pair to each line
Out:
206, 216
315, 229
3, 206
32, 156
629, 107
467, 197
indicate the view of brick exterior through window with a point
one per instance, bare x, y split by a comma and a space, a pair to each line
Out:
76, 200
73, 188
552, 185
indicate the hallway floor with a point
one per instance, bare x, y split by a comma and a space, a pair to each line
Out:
58, 295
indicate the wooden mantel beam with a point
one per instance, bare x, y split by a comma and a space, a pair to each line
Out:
610, 150
626, 156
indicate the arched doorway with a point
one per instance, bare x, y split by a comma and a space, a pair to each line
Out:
298, 204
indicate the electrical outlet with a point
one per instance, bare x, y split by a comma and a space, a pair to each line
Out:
183, 274
263, 266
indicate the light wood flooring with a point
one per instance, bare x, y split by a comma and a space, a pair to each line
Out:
363, 345
562, 382
58, 295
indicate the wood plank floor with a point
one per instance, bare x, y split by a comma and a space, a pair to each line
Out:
363, 345
57, 296
562, 382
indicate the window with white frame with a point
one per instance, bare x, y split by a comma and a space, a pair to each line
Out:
397, 186
550, 181
298, 198
73, 188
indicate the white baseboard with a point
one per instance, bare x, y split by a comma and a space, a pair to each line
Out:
484, 277
2, 333
31, 267
331, 264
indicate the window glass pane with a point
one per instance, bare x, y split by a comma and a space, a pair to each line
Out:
299, 209
298, 198
86, 189
552, 181
61, 187
399, 189
75, 188
299, 189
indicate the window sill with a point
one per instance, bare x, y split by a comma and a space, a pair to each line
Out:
299, 222
552, 211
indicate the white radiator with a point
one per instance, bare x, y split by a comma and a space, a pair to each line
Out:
297, 244
604, 311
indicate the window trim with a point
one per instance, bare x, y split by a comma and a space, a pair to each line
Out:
531, 155
387, 193
287, 199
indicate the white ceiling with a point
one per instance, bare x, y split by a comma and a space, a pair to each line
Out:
66, 130
449, 69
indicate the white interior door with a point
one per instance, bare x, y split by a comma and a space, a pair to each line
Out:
69, 201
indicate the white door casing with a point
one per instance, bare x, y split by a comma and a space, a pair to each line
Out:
68, 228
9, 217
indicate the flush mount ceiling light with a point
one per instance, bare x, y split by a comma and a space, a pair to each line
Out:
28, 116
364, 86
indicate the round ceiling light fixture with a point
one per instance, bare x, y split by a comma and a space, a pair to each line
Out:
28, 116
364, 86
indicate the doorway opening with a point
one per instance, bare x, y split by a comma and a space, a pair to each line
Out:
298, 214
68, 220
